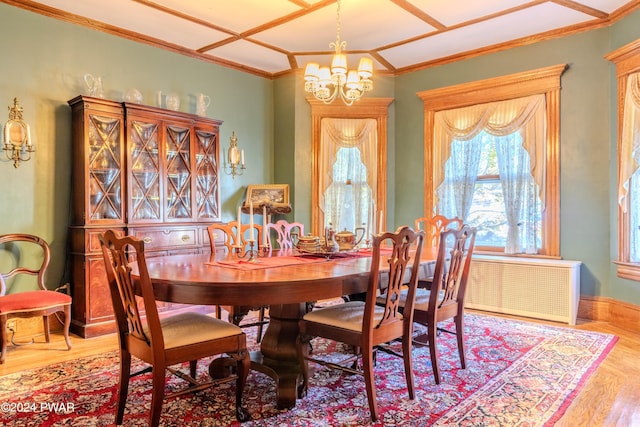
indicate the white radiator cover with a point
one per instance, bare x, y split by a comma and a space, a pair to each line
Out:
538, 288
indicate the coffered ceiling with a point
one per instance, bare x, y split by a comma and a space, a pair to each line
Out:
273, 37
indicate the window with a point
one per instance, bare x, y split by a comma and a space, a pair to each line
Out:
627, 60
491, 148
488, 209
348, 178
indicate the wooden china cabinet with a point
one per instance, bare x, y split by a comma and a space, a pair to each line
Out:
143, 171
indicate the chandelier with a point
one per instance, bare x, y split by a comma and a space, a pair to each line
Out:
327, 84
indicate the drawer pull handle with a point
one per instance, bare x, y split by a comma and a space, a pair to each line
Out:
185, 238
147, 240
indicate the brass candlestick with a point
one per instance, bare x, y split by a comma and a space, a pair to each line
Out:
251, 253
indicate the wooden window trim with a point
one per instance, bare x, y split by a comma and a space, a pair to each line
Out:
365, 108
540, 81
627, 61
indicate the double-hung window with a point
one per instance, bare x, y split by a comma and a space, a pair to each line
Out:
349, 165
491, 156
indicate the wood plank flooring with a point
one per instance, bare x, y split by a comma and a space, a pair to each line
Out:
611, 396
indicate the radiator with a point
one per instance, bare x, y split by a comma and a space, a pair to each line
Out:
531, 287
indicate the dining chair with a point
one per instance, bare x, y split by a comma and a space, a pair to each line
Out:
226, 235
228, 232
433, 226
286, 233
431, 307
32, 255
363, 324
163, 343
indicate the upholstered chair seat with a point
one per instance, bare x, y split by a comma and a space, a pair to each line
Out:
348, 315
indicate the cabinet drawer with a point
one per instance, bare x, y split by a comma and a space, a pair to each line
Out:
155, 239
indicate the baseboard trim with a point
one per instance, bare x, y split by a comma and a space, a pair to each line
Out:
621, 314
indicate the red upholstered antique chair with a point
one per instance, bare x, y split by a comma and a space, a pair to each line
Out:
37, 303
365, 325
163, 343
285, 233
227, 233
430, 308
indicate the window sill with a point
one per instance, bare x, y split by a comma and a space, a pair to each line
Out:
484, 251
628, 270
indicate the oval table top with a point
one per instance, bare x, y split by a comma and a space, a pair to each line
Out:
196, 279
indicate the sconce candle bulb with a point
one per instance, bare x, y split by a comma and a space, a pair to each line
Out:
17, 136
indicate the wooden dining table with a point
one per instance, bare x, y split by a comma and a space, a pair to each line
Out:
286, 288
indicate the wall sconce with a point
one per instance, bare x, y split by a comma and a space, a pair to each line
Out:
17, 136
234, 163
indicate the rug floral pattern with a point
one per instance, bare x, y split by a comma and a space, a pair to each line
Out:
518, 374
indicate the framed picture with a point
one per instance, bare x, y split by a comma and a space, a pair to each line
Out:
275, 195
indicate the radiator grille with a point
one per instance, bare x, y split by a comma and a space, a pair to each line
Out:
537, 288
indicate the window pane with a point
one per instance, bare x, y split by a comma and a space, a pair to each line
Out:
487, 214
348, 197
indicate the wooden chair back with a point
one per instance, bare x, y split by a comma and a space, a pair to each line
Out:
406, 245
435, 225
229, 231
452, 270
37, 269
286, 233
131, 328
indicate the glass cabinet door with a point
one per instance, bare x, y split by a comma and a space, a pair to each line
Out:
178, 180
206, 151
105, 173
144, 160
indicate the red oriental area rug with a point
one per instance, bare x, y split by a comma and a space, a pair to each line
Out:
518, 373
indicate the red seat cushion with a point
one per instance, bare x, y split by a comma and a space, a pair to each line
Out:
33, 300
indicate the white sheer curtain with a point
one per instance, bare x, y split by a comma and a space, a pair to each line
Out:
456, 191
628, 174
520, 195
348, 158
525, 115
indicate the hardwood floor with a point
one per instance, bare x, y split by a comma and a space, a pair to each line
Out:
609, 398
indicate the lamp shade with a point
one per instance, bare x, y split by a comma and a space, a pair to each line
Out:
353, 80
339, 64
311, 71
365, 68
324, 76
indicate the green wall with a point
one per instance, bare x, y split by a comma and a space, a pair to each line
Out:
44, 61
